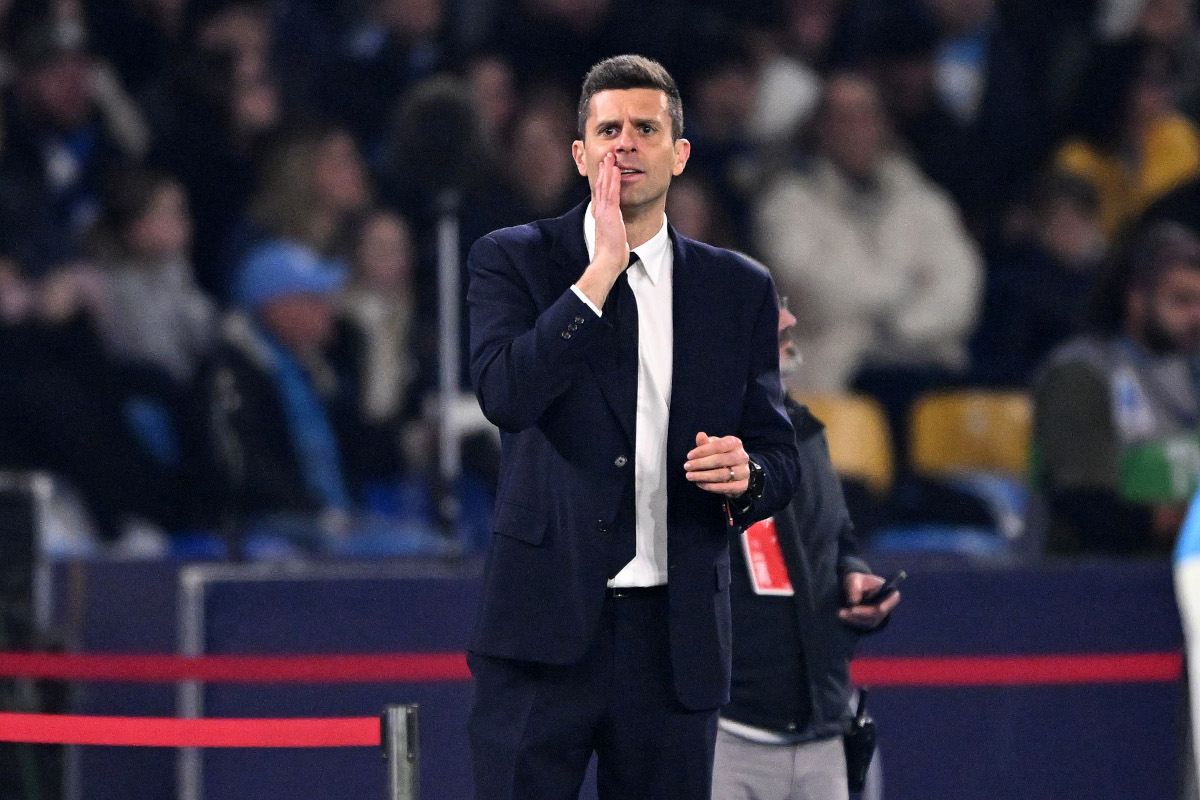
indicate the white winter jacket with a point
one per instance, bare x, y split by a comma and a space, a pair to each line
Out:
878, 274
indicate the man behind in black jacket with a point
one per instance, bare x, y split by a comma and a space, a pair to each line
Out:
794, 632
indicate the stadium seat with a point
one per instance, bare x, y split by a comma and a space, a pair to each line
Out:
977, 442
968, 431
860, 443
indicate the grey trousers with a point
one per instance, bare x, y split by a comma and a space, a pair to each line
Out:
745, 770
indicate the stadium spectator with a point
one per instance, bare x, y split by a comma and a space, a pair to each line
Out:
1170, 26
312, 183
1130, 143
394, 46
872, 257
67, 121
159, 317
493, 85
1038, 286
542, 185
796, 53
987, 78
377, 310
210, 114
438, 141
1117, 413
898, 49
64, 405
438, 164
279, 413
721, 94
157, 324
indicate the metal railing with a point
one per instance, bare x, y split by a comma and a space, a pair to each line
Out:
401, 747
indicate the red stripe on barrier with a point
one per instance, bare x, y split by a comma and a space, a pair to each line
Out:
1017, 670
365, 668
434, 667
170, 732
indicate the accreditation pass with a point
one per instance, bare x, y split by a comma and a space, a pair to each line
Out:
764, 559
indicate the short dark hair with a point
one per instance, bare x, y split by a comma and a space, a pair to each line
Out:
631, 72
1146, 258
1163, 246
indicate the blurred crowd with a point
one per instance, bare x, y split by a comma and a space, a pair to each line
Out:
218, 224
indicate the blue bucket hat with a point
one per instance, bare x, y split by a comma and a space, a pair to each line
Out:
277, 269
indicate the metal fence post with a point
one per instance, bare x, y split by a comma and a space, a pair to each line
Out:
401, 748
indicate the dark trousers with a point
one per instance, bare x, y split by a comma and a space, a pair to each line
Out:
534, 727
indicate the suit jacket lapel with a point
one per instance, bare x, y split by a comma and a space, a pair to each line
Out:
568, 251
695, 345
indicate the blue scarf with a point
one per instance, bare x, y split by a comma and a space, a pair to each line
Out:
311, 431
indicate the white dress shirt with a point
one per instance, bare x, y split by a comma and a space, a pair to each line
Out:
650, 280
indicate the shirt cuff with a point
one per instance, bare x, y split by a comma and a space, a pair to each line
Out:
579, 293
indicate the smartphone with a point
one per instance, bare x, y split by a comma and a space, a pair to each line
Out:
885, 591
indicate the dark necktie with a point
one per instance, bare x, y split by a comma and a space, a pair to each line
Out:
624, 544
627, 325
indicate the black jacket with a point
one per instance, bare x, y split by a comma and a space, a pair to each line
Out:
252, 456
791, 655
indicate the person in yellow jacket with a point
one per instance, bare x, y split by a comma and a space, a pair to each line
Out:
1131, 145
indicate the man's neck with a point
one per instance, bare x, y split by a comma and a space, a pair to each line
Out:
642, 224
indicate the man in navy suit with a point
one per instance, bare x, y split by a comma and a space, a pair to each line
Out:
634, 375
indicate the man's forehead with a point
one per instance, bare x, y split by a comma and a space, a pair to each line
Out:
614, 103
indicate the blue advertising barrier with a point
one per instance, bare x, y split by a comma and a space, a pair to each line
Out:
1042, 742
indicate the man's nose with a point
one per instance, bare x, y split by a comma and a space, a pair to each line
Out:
625, 139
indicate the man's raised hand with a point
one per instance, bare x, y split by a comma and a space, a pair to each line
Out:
611, 256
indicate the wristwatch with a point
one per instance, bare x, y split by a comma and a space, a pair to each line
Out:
754, 490
756, 482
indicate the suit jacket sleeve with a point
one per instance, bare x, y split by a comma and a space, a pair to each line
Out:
766, 431
521, 360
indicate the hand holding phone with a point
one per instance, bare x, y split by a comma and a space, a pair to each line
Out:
869, 612
889, 587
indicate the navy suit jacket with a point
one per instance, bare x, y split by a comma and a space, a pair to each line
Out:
545, 373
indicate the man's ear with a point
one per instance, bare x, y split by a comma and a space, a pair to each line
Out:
683, 149
577, 154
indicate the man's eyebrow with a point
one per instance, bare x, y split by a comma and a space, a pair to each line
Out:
616, 123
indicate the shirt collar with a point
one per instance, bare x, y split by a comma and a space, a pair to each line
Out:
651, 253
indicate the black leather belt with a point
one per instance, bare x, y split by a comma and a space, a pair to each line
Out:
621, 592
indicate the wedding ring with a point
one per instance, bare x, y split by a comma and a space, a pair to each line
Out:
732, 475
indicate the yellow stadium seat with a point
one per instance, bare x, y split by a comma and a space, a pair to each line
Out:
971, 431
860, 443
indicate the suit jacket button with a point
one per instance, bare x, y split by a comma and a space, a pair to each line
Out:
572, 327
579, 320
621, 461
566, 334
601, 526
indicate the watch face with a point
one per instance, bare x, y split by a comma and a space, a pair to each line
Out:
755, 487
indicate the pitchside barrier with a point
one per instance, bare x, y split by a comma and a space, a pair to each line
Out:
1044, 681
395, 731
